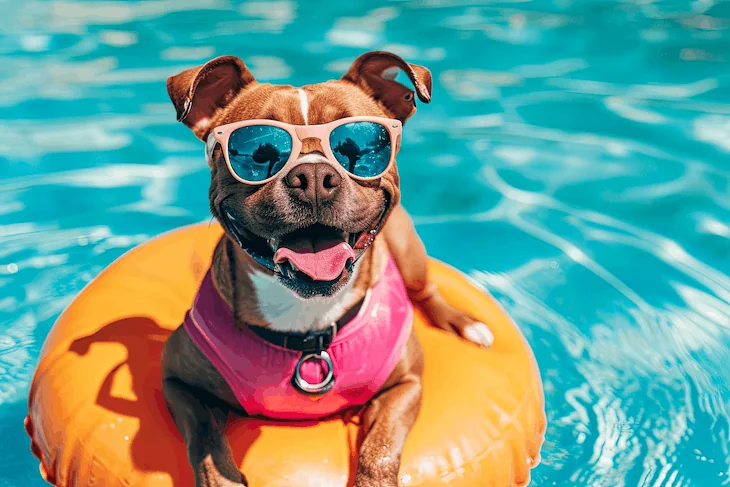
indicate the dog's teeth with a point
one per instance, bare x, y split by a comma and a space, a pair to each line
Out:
272, 244
293, 267
277, 268
230, 216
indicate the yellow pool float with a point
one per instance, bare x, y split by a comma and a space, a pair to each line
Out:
97, 416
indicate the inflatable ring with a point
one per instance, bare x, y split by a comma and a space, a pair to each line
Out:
97, 415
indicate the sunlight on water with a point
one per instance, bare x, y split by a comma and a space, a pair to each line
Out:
574, 162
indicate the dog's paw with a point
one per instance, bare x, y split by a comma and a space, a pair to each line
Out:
368, 481
443, 315
221, 474
221, 482
218, 481
478, 333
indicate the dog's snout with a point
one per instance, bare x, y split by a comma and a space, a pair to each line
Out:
315, 183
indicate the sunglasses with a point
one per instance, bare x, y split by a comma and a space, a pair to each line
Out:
257, 150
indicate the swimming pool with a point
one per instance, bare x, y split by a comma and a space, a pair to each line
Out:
574, 161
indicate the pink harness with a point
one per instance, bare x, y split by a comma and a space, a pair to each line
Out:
262, 375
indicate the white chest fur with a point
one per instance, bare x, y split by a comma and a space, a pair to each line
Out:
287, 312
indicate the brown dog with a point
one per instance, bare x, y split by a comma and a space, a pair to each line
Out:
315, 197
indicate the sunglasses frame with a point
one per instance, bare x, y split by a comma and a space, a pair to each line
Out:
298, 133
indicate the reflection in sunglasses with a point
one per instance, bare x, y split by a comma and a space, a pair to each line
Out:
264, 153
258, 152
351, 150
364, 147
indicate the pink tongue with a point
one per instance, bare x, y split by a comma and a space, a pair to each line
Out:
322, 260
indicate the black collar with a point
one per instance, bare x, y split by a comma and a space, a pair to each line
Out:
311, 342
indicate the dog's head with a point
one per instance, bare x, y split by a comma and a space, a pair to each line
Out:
311, 221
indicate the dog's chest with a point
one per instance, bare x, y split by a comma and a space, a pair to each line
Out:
287, 312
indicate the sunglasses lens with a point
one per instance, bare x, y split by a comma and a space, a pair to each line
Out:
258, 152
362, 148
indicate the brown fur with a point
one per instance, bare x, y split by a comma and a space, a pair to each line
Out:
224, 91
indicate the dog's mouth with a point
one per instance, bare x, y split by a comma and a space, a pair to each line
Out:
316, 253
312, 260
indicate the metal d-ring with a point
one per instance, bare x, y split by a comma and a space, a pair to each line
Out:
321, 387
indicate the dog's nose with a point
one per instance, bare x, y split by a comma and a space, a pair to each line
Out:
316, 183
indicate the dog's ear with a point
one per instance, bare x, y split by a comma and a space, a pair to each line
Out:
375, 73
198, 93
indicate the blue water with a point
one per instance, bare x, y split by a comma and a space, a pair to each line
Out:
575, 160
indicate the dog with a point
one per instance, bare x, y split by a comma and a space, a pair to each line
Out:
305, 185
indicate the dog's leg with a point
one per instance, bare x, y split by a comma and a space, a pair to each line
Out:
409, 254
388, 419
202, 429
199, 415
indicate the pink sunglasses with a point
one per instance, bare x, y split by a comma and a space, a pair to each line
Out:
257, 150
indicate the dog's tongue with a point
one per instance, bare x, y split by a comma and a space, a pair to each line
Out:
322, 259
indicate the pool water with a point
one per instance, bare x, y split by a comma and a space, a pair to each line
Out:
574, 160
